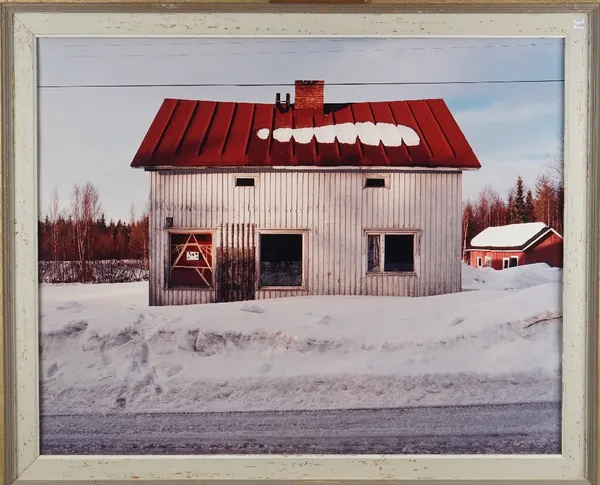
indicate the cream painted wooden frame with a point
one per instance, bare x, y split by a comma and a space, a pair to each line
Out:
23, 24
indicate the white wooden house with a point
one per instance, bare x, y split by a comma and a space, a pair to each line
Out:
258, 200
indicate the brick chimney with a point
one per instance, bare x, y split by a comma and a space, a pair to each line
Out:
309, 94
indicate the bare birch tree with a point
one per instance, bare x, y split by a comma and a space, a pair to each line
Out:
131, 214
555, 166
86, 210
547, 203
53, 216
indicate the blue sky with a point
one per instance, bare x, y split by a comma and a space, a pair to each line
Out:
92, 133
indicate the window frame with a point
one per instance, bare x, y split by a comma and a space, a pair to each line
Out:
511, 258
167, 285
479, 262
282, 232
485, 261
416, 233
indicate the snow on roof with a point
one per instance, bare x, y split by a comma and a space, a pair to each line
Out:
369, 133
510, 236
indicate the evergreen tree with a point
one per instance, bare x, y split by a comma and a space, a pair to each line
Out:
519, 201
468, 226
529, 208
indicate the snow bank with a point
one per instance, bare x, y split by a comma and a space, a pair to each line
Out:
511, 235
104, 350
515, 278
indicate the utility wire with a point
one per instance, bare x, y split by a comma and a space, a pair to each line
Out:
260, 85
291, 41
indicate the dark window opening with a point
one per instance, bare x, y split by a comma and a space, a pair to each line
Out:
396, 255
514, 261
479, 262
375, 182
191, 260
374, 253
399, 253
280, 260
244, 182
505, 263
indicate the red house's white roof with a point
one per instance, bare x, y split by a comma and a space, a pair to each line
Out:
512, 236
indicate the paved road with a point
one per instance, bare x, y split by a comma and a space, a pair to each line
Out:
524, 428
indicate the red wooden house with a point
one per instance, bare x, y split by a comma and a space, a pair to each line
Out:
516, 245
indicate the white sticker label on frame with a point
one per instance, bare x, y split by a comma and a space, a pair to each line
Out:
579, 23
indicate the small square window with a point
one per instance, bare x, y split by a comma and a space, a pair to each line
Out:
244, 181
374, 182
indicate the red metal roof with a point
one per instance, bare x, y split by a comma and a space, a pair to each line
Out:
188, 133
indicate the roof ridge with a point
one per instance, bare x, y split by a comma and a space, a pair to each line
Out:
383, 101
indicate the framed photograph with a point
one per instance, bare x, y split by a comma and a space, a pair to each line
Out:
300, 242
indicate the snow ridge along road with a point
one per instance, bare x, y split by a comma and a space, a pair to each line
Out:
514, 428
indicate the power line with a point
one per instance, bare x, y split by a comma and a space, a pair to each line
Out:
260, 85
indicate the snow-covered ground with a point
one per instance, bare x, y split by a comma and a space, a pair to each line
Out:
103, 349
517, 278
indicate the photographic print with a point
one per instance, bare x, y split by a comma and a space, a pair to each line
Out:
300, 245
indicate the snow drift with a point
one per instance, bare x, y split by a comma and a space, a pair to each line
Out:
104, 350
516, 278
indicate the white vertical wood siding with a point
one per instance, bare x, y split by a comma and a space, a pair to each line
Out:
335, 210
